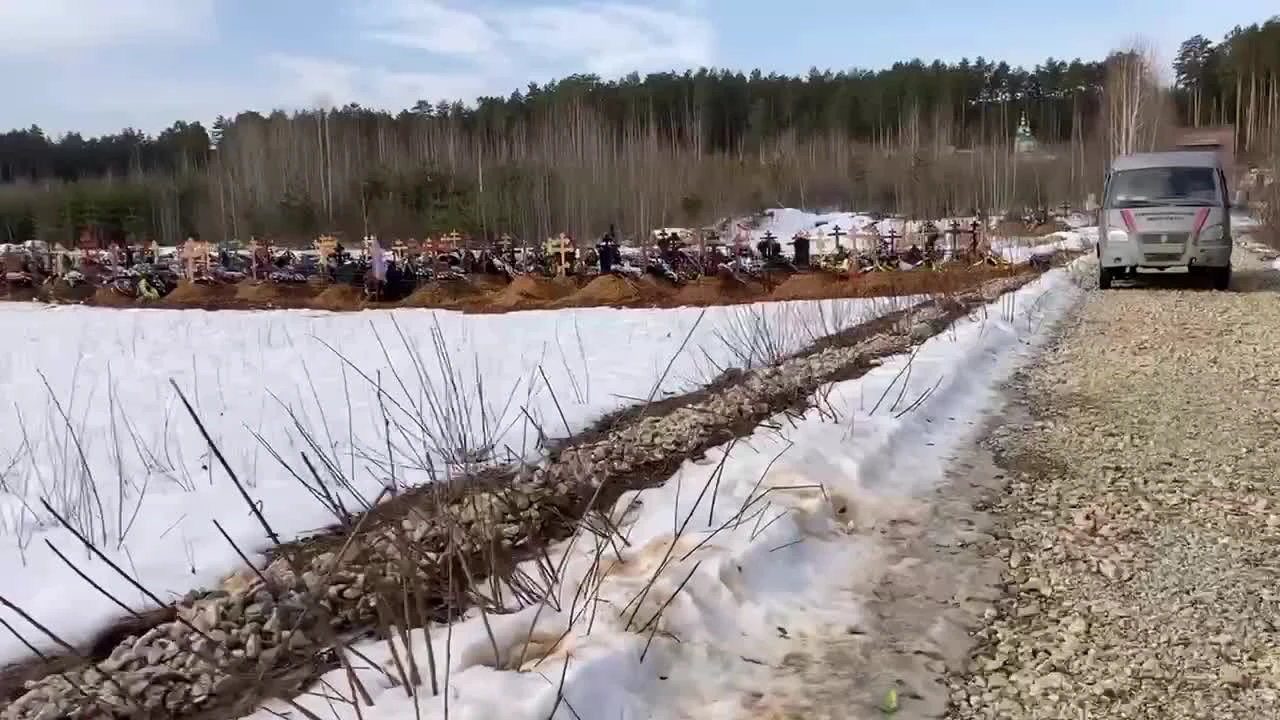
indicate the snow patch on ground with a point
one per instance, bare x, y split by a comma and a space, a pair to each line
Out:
721, 571
90, 388
785, 223
1021, 251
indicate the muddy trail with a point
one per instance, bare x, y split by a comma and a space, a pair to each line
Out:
425, 554
491, 294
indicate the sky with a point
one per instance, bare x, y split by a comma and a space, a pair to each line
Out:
96, 66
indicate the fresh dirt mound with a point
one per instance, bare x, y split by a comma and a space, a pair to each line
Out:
199, 295
488, 282
339, 297
656, 289
64, 292
606, 290
106, 297
530, 292
444, 293
24, 293
256, 293
811, 286
719, 291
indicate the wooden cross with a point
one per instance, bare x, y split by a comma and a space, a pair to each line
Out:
195, 259
327, 246
561, 247
255, 255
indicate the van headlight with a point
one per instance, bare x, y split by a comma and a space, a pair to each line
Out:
1213, 235
1116, 235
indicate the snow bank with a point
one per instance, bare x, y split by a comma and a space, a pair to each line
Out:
785, 223
1021, 251
721, 569
152, 487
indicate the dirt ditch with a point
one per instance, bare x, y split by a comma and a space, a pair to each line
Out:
421, 555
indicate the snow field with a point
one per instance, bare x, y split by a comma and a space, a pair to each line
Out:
736, 556
91, 423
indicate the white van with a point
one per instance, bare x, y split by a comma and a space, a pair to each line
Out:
1166, 210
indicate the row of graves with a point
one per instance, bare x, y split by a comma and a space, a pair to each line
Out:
130, 267
390, 271
831, 249
871, 250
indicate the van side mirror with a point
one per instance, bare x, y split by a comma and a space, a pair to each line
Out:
1241, 200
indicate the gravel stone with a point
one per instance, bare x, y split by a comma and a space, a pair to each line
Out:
1138, 515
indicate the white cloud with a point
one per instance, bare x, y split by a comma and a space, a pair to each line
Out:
315, 81
606, 38
498, 49
430, 26
45, 27
614, 39
99, 65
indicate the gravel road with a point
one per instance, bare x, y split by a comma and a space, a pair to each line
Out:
1139, 530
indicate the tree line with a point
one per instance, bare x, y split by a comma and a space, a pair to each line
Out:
582, 152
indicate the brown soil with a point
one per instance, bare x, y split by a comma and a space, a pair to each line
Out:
489, 283
605, 291
484, 294
446, 293
339, 297
19, 293
525, 293
657, 289
106, 297
267, 294
64, 292
719, 291
810, 286
198, 295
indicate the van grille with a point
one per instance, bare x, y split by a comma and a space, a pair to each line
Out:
1162, 257
1164, 239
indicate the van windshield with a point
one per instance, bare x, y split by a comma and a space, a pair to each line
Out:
1147, 187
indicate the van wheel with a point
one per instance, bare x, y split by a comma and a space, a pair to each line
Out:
1221, 278
1104, 278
